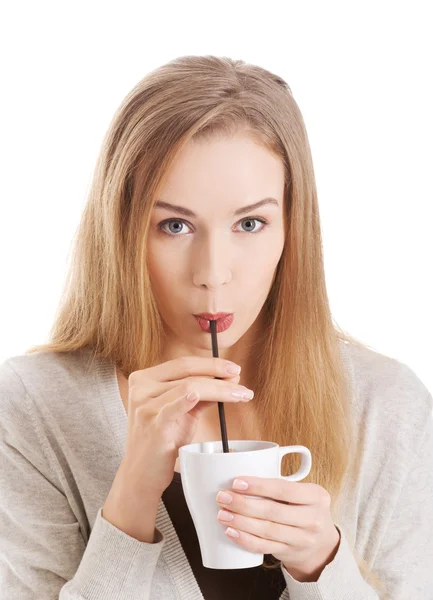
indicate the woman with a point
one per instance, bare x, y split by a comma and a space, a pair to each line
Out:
204, 201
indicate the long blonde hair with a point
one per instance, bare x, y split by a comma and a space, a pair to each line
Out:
107, 302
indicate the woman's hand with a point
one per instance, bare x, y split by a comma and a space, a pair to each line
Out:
292, 521
162, 418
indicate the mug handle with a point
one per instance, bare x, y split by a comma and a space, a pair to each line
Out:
300, 474
305, 467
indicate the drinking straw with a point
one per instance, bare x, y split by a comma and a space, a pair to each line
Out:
220, 404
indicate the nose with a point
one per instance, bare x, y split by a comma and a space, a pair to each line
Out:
211, 262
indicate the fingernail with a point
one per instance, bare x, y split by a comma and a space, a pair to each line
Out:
233, 369
232, 532
224, 498
225, 515
239, 484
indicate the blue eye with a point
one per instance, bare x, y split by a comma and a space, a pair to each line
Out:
182, 222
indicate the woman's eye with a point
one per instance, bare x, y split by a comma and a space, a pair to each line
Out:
250, 222
175, 226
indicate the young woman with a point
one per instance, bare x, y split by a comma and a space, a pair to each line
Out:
204, 201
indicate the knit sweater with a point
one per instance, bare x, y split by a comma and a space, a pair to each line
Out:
63, 432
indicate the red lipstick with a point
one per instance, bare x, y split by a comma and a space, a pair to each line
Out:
223, 321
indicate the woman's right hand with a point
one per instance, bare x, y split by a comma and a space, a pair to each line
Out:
161, 418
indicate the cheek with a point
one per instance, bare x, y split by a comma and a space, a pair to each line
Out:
167, 289
258, 272
259, 264
254, 281
164, 277
164, 262
168, 274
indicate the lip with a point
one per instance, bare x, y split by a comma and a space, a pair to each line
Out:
212, 316
223, 321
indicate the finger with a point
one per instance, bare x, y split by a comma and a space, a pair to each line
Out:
185, 366
160, 387
171, 411
253, 543
294, 492
145, 383
268, 530
207, 390
268, 510
200, 408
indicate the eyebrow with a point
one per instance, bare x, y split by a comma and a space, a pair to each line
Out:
186, 212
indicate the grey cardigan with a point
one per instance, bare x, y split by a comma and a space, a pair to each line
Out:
62, 437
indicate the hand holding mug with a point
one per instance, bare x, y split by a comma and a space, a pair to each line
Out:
291, 521
206, 470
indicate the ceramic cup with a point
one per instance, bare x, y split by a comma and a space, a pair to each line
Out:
205, 470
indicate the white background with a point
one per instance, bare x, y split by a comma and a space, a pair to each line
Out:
361, 73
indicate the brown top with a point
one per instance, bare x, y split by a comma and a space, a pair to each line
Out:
253, 583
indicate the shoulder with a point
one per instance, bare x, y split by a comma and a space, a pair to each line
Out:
36, 382
13, 400
389, 395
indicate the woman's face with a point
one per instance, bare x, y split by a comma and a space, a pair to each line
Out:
215, 260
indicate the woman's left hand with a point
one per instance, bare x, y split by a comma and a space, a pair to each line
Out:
292, 521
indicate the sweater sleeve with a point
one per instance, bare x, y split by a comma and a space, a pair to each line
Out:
339, 578
404, 562
43, 552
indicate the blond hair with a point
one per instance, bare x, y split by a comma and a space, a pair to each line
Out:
107, 302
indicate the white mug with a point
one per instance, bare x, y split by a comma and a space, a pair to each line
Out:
205, 470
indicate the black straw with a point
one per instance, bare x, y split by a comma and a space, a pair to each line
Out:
220, 404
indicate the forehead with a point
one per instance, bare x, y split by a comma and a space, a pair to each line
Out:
222, 174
